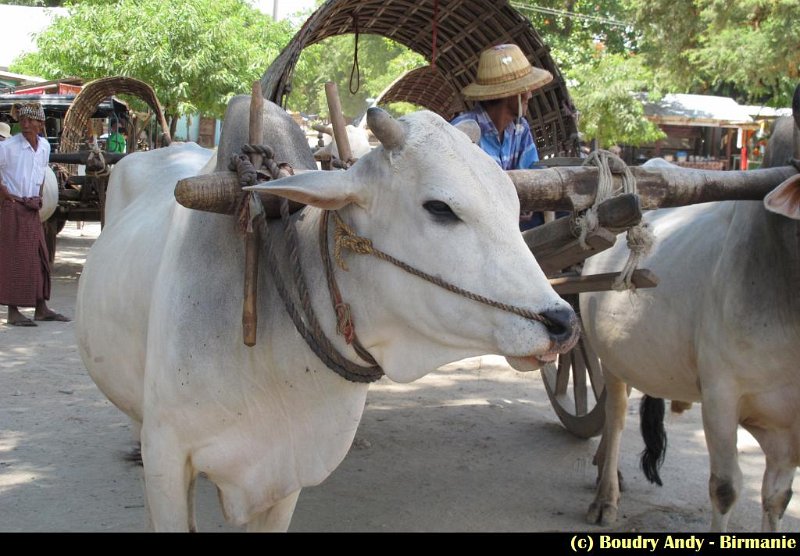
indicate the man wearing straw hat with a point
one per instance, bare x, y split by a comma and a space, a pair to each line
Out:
5, 131
503, 87
24, 261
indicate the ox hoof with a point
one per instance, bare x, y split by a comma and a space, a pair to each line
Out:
602, 514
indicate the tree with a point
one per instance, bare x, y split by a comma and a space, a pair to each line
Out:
196, 54
575, 29
595, 49
747, 49
610, 112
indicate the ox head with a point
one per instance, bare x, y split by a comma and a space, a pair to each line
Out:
431, 198
784, 147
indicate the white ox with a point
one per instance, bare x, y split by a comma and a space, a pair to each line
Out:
49, 195
159, 310
722, 327
357, 137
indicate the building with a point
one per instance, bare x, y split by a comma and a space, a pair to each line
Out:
703, 131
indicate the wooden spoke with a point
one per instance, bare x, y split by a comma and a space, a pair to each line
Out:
567, 387
579, 382
594, 368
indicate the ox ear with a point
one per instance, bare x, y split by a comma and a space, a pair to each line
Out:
389, 131
472, 130
785, 199
329, 190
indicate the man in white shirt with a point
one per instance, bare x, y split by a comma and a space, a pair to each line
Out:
24, 261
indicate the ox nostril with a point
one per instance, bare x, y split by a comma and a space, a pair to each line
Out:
562, 325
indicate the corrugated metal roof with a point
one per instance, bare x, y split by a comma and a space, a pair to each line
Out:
698, 110
760, 112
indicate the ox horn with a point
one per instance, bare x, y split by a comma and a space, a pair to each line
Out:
575, 187
796, 106
389, 131
796, 114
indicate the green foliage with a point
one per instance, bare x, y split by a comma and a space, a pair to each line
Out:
380, 62
609, 111
576, 30
747, 49
196, 54
594, 49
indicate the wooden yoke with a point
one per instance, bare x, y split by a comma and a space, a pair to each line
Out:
250, 304
567, 188
337, 121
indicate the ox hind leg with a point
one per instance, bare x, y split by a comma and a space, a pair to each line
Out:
720, 423
776, 487
276, 518
168, 482
603, 509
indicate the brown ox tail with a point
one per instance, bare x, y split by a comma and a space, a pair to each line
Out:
651, 424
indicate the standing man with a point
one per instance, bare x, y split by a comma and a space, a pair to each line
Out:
24, 261
503, 86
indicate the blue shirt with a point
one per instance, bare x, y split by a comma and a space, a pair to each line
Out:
516, 152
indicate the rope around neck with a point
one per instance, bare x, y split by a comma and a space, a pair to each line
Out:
346, 239
640, 238
296, 299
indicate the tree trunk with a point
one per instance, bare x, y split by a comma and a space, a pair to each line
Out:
173, 124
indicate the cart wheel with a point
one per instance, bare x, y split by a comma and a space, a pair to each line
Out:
568, 389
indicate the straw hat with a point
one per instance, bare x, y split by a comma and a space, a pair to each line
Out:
503, 71
5, 130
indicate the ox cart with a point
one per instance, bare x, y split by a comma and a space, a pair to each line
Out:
82, 197
605, 197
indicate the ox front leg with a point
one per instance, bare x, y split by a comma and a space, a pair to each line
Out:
776, 492
168, 481
720, 423
604, 508
776, 488
277, 518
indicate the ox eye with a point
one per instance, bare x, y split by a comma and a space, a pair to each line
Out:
441, 211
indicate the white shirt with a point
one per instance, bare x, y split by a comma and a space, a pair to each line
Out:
21, 168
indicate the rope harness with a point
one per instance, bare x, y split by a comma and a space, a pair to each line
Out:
293, 289
640, 238
346, 238
249, 206
95, 163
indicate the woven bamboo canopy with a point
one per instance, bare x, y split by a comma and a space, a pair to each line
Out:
427, 87
92, 94
463, 28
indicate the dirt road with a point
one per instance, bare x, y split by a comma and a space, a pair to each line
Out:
475, 446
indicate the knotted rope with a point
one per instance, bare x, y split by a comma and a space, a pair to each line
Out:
345, 238
292, 289
95, 163
298, 304
249, 206
640, 238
